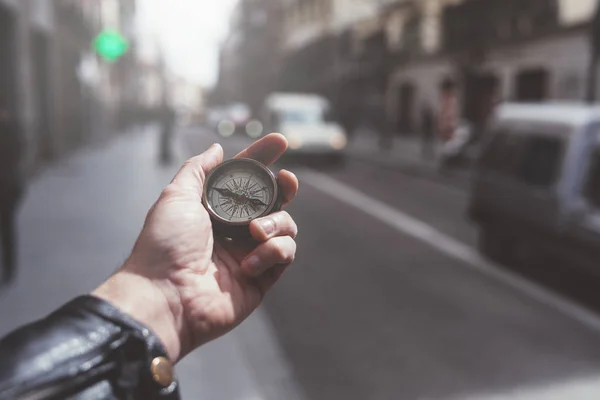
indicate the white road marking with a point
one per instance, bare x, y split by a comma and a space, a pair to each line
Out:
584, 388
451, 247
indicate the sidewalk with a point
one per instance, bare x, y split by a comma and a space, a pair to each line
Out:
404, 155
78, 224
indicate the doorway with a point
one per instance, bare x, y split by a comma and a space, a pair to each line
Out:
480, 97
531, 85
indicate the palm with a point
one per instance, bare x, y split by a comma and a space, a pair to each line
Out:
215, 294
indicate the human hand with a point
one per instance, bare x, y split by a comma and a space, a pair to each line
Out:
188, 286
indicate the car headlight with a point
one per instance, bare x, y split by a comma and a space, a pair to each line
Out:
338, 141
254, 129
294, 141
226, 128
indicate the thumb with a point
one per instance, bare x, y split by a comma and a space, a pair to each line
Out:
193, 172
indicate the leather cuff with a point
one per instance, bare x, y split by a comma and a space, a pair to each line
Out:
145, 347
86, 349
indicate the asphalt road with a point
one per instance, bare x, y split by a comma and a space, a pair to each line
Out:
389, 300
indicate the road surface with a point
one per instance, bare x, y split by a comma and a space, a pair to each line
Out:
387, 298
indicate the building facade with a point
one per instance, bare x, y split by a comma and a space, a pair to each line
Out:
27, 32
383, 62
250, 58
494, 50
49, 76
334, 48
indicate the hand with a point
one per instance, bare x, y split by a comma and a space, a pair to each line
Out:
189, 287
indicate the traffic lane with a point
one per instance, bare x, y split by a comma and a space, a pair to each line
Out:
441, 206
445, 208
419, 197
367, 312
195, 140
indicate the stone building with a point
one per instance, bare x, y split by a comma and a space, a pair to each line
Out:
492, 50
49, 75
250, 58
27, 39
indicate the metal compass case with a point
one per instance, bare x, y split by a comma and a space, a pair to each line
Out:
237, 192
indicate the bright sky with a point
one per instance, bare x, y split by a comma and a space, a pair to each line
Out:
190, 31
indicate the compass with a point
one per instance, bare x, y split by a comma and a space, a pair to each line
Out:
237, 192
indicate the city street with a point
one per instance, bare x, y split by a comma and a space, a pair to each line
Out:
388, 299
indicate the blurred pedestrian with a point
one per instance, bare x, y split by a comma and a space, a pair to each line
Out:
167, 122
449, 114
427, 132
11, 189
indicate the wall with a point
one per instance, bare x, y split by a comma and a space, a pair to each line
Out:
566, 58
426, 77
317, 18
41, 14
573, 12
348, 12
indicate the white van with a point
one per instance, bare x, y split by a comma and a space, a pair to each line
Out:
304, 120
536, 190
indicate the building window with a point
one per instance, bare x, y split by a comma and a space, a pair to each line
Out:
395, 30
531, 85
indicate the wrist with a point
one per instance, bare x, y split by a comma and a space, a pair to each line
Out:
146, 301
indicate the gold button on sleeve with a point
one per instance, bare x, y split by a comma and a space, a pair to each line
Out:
162, 371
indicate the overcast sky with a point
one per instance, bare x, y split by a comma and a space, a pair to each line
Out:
190, 31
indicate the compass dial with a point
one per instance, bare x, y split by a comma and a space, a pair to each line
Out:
239, 191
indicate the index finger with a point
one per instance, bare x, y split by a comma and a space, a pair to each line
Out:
266, 150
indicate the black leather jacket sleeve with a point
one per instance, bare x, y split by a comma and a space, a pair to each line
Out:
87, 349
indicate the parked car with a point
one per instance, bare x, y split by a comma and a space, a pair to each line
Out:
536, 190
305, 119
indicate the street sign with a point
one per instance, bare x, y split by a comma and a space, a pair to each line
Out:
110, 45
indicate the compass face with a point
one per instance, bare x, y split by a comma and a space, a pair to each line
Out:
239, 191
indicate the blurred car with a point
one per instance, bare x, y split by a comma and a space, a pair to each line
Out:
214, 115
240, 114
303, 120
536, 192
234, 119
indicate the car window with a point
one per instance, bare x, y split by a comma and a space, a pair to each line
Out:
304, 117
592, 184
501, 155
541, 160
527, 156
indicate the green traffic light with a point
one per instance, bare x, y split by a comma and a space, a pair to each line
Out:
110, 45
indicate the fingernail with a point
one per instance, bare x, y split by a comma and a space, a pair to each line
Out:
253, 262
267, 225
